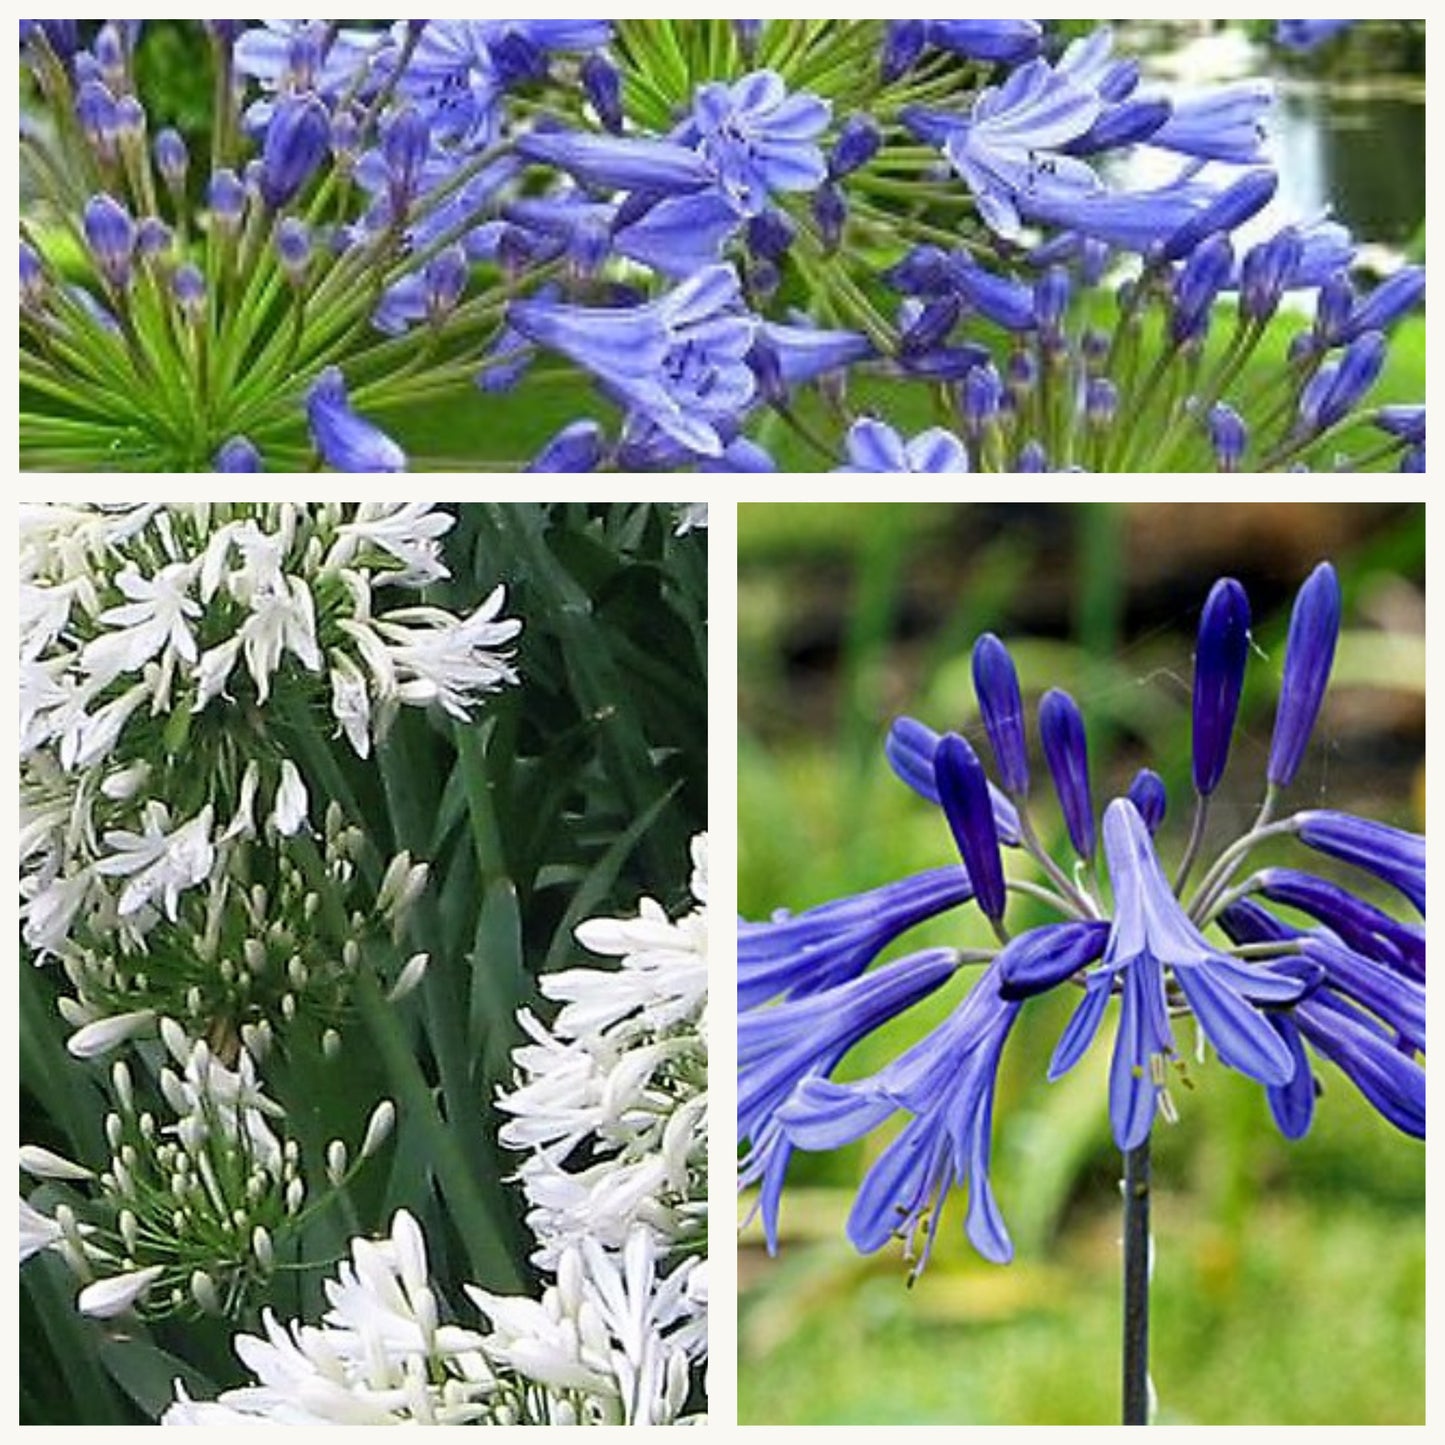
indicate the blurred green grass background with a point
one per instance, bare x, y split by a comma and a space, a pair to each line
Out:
1289, 1285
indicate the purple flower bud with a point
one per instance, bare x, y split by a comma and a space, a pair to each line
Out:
297, 140
982, 394
963, 791
1007, 303
1066, 749
188, 286
110, 234
1051, 303
95, 111
1385, 305
603, 83
748, 33
304, 56
1045, 957
293, 248
345, 440
858, 142
33, 281
1402, 421
1228, 436
576, 448
830, 211
153, 237
130, 121
405, 143
1148, 795
1219, 660
1006, 41
346, 125
1314, 629
1389, 853
1333, 308
1334, 391
770, 235
1197, 287
110, 54
1129, 123
226, 198
517, 58
1101, 402
903, 43
1250, 194
443, 282
922, 272
172, 157
1266, 273
238, 455
931, 327
63, 36
1032, 458
996, 685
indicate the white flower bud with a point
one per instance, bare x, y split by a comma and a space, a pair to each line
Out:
105, 1034
350, 954
378, 1128
203, 1291
257, 1039
129, 1229
336, 1161
176, 1042
393, 881
73, 1011
288, 1006
42, 1164
410, 977
291, 800
295, 1194
261, 1247
330, 1044
120, 1082
107, 1298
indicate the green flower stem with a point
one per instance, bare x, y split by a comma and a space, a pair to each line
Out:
1054, 900
1136, 1285
1196, 841
1227, 864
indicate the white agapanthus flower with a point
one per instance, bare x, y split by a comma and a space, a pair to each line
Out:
620, 1328
156, 640
619, 1083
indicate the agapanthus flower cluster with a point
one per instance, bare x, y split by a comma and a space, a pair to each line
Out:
732, 228
611, 1113
173, 861
198, 1196
1212, 961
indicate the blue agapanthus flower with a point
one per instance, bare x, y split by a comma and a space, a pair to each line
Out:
1266, 995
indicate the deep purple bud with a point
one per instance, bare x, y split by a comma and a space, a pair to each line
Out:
1197, 287
95, 111
922, 272
238, 455
33, 282
1130, 123
1334, 391
130, 120
858, 142
830, 211
982, 393
405, 144
172, 157
932, 325
576, 448
1333, 308
305, 55
1385, 305
297, 141
1314, 629
963, 791
1005, 41
1007, 303
770, 234
1266, 273
1219, 659
226, 198
1250, 194
1066, 749
603, 83
293, 248
110, 54
1032, 458
188, 286
1228, 436
1389, 853
443, 282
110, 234
1148, 795
1101, 402
63, 36
517, 58
1051, 302
1045, 957
346, 440
903, 43
153, 237
996, 685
